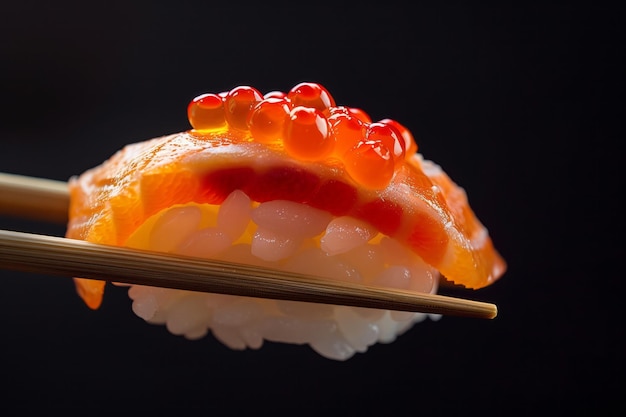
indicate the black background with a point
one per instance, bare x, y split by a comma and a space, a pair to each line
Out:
522, 106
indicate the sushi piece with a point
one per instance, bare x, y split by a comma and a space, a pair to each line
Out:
290, 181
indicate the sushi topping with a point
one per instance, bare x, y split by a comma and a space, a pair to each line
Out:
309, 126
298, 147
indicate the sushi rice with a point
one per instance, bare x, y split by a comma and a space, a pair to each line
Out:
288, 236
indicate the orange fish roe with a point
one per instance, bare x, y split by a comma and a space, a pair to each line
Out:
311, 95
360, 114
307, 134
347, 129
238, 103
207, 112
370, 162
390, 137
410, 145
267, 119
309, 125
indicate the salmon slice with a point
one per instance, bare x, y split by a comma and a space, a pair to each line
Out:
299, 147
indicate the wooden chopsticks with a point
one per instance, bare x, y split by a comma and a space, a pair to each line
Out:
34, 198
48, 200
67, 257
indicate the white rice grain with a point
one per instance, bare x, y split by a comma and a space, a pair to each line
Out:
205, 243
270, 245
358, 331
295, 219
344, 234
190, 317
234, 214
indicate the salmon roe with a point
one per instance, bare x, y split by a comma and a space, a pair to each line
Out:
309, 125
409, 142
347, 129
370, 163
311, 95
267, 119
307, 134
238, 103
207, 112
388, 135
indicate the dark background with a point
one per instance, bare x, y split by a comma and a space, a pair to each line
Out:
522, 106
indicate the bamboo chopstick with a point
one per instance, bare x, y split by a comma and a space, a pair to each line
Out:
67, 257
34, 198
44, 199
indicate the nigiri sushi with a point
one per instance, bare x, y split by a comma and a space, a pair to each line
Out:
290, 181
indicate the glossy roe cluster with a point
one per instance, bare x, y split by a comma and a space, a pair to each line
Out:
310, 127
